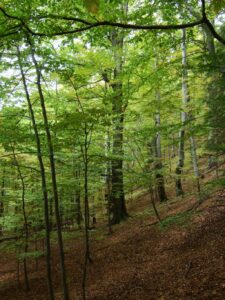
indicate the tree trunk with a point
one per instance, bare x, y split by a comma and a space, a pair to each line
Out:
158, 156
108, 181
26, 280
77, 192
43, 182
195, 162
2, 199
180, 165
185, 117
53, 173
119, 211
216, 68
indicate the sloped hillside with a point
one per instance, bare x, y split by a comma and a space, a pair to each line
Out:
183, 258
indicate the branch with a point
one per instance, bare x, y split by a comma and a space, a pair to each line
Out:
210, 26
118, 25
203, 20
98, 24
8, 15
213, 31
203, 10
66, 18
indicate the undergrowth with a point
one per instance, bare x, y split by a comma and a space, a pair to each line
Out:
181, 219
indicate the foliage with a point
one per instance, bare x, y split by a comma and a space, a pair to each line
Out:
180, 219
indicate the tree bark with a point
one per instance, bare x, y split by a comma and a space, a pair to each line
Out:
108, 180
2, 199
53, 172
26, 279
160, 185
119, 211
43, 181
184, 118
77, 197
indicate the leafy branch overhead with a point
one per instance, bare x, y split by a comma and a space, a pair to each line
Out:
93, 7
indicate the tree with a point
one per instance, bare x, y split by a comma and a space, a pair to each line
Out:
43, 179
185, 118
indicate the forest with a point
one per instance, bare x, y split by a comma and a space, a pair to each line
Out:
112, 149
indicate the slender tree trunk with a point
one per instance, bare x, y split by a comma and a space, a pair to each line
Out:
78, 210
210, 46
2, 199
36, 249
108, 169
77, 194
185, 117
43, 181
86, 198
87, 257
195, 162
152, 197
51, 225
108, 181
53, 173
119, 211
158, 156
26, 280
185, 100
186, 96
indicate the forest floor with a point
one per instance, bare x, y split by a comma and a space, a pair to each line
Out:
183, 259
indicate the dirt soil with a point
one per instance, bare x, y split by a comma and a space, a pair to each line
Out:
139, 260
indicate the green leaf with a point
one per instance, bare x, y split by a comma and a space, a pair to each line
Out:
218, 5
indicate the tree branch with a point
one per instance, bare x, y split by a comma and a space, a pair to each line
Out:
150, 27
213, 32
203, 10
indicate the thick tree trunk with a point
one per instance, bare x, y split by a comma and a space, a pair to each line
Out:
216, 69
43, 181
119, 211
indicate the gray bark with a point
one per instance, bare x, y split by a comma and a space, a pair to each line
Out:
118, 108
184, 118
160, 185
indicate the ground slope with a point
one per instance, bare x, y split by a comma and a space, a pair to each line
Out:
183, 260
